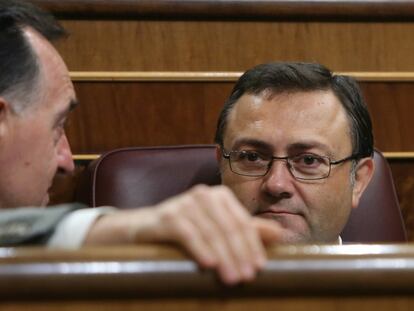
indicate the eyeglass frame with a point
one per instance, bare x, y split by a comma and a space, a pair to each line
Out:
354, 156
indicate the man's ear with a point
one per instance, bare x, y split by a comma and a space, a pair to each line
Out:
363, 174
4, 113
218, 155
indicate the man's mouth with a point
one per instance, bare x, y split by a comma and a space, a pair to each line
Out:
271, 214
276, 213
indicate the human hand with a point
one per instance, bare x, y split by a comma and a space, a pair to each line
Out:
211, 224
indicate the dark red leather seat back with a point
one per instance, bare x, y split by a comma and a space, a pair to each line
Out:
378, 216
136, 177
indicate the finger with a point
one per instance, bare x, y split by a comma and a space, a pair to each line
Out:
235, 239
178, 228
255, 252
211, 229
186, 222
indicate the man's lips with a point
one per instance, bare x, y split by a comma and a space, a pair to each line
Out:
273, 213
270, 214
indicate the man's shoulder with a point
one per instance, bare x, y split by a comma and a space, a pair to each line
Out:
31, 224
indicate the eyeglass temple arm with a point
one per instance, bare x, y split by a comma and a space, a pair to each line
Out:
355, 156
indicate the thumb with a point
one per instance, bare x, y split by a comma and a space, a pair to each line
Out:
269, 231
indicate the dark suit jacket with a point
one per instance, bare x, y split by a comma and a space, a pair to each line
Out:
31, 225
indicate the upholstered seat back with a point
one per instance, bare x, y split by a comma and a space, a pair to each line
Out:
136, 177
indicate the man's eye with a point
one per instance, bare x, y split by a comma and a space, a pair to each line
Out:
309, 160
246, 156
251, 156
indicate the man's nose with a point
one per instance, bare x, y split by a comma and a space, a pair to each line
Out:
278, 179
64, 154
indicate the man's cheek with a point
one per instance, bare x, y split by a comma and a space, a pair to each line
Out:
248, 195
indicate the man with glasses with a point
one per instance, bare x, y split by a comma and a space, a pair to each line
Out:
295, 145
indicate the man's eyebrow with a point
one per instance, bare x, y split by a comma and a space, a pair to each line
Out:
63, 114
73, 104
306, 145
255, 143
292, 148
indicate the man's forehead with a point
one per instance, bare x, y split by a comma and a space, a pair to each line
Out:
46, 53
317, 106
54, 73
39, 43
298, 118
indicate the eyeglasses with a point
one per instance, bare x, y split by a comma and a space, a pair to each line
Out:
304, 166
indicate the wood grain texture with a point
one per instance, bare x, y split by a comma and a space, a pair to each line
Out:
253, 9
392, 111
114, 115
147, 271
290, 303
145, 45
152, 277
122, 114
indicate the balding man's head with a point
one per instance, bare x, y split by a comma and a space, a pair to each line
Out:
36, 96
19, 66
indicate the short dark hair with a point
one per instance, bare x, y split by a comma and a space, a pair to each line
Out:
19, 68
283, 77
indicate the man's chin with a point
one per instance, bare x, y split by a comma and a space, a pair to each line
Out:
294, 231
45, 200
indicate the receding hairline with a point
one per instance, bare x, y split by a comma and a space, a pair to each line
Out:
31, 35
22, 70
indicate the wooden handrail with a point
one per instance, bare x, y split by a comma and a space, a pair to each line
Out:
233, 9
161, 271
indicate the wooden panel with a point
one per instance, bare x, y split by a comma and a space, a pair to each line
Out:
392, 110
124, 114
145, 45
121, 114
236, 9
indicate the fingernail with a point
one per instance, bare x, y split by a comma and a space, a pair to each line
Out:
231, 276
248, 272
